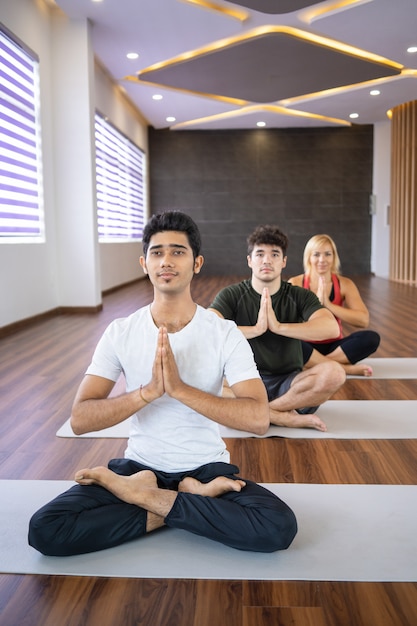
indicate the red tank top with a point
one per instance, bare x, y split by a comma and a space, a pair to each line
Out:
335, 297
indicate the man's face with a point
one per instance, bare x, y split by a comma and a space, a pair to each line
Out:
169, 261
266, 262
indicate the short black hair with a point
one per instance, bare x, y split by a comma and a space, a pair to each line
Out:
172, 220
268, 235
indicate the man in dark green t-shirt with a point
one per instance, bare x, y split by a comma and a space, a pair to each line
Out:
275, 316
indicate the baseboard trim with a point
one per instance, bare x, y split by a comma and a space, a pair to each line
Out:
15, 327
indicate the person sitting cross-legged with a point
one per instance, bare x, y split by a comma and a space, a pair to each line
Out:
276, 317
341, 297
176, 471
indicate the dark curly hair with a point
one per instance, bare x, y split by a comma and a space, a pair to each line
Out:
269, 235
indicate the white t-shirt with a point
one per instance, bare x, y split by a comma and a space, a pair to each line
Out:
166, 434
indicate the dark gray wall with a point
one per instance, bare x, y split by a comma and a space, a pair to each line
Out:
307, 181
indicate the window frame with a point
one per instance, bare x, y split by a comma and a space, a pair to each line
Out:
20, 140
121, 188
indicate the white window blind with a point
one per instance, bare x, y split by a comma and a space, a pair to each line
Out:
120, 175
21, 203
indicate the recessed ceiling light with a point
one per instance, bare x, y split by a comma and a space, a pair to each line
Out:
157, 96
375, 92
412, 49
132, 55
170, 119
353, 116
260, 124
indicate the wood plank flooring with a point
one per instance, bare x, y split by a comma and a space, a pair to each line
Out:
40, 368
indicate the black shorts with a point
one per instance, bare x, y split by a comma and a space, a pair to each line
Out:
278, 384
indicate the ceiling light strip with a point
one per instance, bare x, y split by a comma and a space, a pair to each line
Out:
212, 6
311, 14
267, 30
326, 93
226, 99
278, 110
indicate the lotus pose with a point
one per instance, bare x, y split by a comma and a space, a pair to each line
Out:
176, 471
341, 297
275, 317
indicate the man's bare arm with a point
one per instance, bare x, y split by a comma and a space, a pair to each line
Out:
93, 410
258, 329
320, 325
247, 411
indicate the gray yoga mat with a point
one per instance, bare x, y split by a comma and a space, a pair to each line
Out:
392, 368
346, 533
345, 419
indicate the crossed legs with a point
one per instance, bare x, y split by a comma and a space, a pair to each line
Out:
348, 351
141, 489
352, 369
311, 387
109, 507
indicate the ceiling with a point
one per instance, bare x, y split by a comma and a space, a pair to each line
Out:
230, 64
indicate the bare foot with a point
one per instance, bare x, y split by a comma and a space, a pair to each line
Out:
358, 369
292, 419
214, 488
124, 487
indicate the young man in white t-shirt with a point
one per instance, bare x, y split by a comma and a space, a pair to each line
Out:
176, 472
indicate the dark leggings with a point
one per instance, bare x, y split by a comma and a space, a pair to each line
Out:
357, 346
90, 518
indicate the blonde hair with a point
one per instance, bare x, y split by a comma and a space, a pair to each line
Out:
317, 241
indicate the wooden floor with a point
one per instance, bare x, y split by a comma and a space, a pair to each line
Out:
40, 369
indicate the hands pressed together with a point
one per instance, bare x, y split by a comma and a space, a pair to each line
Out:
247, 410
322, 292
165, 375
267, 320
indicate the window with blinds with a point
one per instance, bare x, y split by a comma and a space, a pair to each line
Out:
120, 176
21, 198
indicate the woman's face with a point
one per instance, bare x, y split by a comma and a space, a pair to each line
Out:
322, 259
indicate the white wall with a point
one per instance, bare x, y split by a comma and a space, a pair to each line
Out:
119, 262
28, 280
77, 260
70, 268
381, 190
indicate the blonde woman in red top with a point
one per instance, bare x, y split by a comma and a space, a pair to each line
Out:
340, 295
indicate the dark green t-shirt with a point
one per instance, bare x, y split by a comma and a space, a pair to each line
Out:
274, 354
